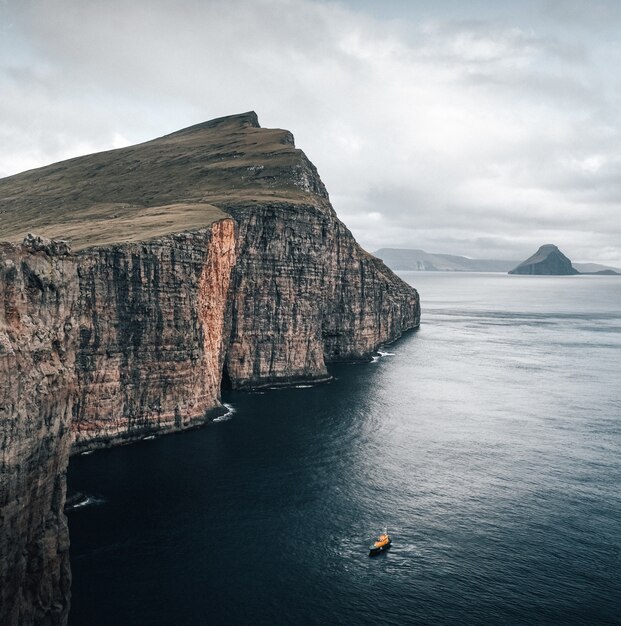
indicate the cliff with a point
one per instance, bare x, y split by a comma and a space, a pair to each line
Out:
548, 260
212, 253
306, 295
152, 335
38, 296
303, 293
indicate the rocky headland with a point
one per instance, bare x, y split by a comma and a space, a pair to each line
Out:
212, 254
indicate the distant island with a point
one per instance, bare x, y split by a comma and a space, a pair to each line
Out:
407, 259
419, 260
548, 260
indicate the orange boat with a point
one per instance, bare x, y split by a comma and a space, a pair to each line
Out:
381, 543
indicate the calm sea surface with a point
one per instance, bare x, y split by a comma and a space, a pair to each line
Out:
488, 442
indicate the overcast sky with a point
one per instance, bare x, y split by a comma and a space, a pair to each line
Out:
483, 128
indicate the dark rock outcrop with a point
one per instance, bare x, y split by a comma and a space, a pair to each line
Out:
211, 250
548, 260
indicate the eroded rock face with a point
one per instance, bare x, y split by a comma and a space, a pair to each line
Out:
365, 304
38, 300
277, 296
153, 332
305, 294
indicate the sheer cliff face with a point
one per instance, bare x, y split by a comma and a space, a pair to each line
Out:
152, 335
305, 294
365, 304
38, 300
276, 307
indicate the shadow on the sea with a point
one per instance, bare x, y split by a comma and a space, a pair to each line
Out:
291, 468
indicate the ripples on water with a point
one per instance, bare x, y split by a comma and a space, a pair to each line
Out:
488, 443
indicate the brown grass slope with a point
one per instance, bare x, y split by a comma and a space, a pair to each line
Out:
179, 182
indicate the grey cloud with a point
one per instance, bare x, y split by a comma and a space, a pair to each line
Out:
489, 43
474, 134
598, 15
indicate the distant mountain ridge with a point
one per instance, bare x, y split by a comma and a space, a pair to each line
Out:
409, 259
403, 259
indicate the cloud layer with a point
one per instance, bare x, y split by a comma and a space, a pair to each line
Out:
473, 133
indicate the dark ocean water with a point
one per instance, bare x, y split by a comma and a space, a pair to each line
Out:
488, 442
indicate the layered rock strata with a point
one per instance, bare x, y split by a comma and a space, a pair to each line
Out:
305, 295
365, 305
38, 333
153, 334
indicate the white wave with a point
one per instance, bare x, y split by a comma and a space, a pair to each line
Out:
375, 359
86, 501
85, 453
148, 438
303, 386
230, 410
385, 353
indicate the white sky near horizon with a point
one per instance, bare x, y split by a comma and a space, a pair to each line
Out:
483, 128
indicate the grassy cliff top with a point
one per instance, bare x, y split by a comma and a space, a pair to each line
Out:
179, 182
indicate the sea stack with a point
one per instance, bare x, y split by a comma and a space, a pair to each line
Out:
210, 255
547, 261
